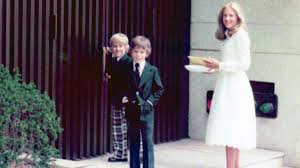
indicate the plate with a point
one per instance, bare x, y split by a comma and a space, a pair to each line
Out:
196, 68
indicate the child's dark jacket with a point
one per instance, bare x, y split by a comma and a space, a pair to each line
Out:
150, 88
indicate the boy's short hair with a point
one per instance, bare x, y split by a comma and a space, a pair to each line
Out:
141, 41
121, 38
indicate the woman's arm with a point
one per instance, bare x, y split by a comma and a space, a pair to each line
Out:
242, 50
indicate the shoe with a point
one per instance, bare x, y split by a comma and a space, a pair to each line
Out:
113, 159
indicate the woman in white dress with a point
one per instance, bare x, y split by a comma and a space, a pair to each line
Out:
232, 120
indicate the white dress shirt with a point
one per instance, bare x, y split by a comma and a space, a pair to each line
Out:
141, 67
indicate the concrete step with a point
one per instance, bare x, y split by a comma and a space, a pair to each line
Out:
190, 154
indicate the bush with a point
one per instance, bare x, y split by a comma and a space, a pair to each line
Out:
28, 123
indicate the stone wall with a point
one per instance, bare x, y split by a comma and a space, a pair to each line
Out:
274, 29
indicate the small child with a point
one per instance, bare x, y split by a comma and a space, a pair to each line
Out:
145, 89
119, 48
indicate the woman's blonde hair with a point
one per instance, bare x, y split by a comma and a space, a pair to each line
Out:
220, 33
121, 38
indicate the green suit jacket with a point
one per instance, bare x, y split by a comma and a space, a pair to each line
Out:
149, 89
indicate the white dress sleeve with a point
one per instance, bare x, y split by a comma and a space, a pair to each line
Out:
241, 49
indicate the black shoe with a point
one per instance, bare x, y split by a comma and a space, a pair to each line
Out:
113, 159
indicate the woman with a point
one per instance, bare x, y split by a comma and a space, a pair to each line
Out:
232, 120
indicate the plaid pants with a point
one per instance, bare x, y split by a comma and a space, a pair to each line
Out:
119, 133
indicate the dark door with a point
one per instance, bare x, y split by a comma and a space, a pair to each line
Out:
79, 29
55, 44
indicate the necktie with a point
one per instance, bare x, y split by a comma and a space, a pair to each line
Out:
137, 73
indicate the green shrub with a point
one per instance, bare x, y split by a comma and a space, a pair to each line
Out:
29, 125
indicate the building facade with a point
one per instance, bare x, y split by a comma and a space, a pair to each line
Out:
274, 29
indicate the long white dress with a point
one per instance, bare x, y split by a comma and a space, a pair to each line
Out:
232, 120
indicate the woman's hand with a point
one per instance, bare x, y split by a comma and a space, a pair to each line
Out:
212, 63
210, 71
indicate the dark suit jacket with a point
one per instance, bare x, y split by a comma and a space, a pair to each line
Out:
118, 72
149, 88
